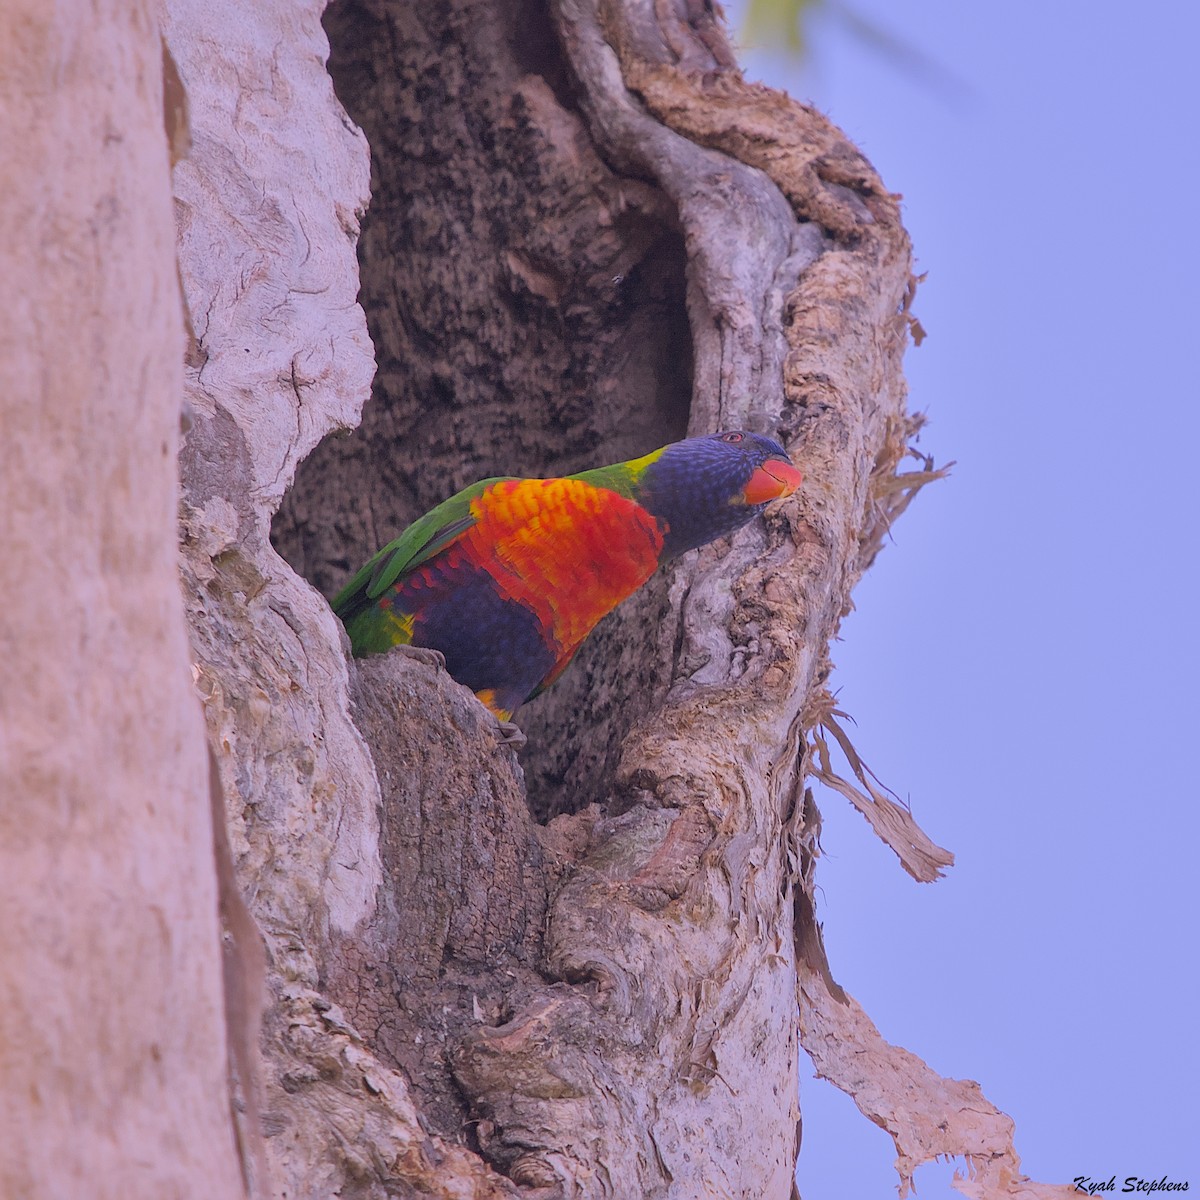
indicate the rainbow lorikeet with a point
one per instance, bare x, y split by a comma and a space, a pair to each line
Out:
507, 578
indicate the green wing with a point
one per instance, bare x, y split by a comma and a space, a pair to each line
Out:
424, 538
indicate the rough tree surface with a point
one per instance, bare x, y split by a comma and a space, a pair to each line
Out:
572, 972
112, 1035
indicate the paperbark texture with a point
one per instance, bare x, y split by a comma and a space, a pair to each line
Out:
113, 1073
588, 236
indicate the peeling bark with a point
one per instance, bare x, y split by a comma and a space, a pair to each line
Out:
572, 972
928, 1117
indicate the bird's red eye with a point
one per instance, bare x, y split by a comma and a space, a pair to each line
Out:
732, 437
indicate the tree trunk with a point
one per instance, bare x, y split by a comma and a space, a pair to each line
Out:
112, 1034
571, 972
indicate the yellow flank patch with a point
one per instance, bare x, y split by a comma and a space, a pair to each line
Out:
566, 549
400, 626
487, 697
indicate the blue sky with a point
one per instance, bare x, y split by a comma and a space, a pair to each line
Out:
1023, 663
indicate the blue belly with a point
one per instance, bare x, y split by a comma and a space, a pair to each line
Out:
489, 641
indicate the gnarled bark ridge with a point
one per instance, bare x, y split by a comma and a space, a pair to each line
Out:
571, 973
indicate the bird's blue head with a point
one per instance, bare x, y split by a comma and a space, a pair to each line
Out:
705, 487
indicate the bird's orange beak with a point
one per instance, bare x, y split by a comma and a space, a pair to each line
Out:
772, 481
